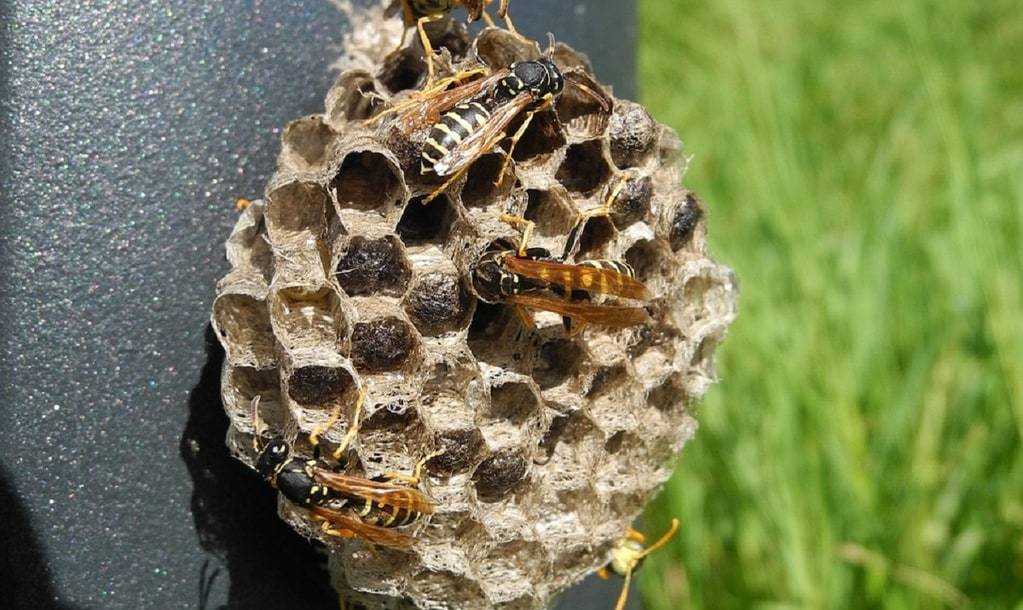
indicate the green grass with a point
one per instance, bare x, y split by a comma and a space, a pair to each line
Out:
863, 166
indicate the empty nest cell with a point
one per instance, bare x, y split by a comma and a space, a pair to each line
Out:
430, 223
484, 182
243, 324
352, 98
306, 141
551, 211
297, 212
367, 180
584, 169
308, 316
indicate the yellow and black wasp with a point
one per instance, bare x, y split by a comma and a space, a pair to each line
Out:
472, 118
420, 12
627, 556
346, 506
530, 278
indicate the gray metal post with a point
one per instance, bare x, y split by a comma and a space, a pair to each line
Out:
126, 130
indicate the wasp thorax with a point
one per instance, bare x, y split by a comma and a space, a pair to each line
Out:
540, 77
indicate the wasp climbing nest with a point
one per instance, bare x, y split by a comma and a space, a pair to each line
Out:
341, 280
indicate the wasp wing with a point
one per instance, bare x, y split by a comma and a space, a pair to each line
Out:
398, 496
590, 87
617, 316
351, 527
424, 110
476, 145
578, 277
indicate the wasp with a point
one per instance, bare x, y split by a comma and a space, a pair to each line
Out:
532, 278
472, 118
420, 12
627, 556
346, 506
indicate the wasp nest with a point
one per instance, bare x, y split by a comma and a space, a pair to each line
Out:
341, 279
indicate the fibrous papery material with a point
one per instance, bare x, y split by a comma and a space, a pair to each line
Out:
341, 279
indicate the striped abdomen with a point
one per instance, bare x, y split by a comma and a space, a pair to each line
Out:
611, 265
452, 128
383, 515
606, 283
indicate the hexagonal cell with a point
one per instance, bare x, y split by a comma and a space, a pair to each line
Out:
514, 402
297, 212
584, 169
584, 108
708, 295
458, 591
305, 316
438, 303
595, 238
317, 385
242, 322
402, 70
482, 184
499, 474
306, 141
367, 180
646, 257
687, 216
558, 360
352, 98
632, 201
393, 416
542, 139
384, 344
633, 135
463, 450
242, 385
429, 223
500, 48
606, 379
551, 211
373, 266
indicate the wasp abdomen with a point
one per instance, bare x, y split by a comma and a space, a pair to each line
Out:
458, 124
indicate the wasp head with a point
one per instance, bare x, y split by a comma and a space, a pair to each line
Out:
488, 275
270, 459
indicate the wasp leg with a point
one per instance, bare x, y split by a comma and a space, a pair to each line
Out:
547, 103
527, 229
603, 574
581, 219
333, 418
241, 203
353, 429
624, 597
487, 19
523, 314
417, 472
427, 46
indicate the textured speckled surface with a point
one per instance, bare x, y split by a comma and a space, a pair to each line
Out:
126, 129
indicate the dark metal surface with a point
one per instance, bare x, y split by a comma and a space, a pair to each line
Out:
126, 129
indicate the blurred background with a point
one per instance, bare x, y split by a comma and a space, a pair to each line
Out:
863, 166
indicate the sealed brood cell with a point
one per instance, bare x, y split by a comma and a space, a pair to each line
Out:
552, 440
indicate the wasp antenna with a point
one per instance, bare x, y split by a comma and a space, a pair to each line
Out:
550, 45
663, 540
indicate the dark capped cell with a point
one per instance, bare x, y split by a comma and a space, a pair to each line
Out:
461, 451
633, 135
499, 474
371, 266
632, 201
382, 345
687, 216
438, 303
318, 385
